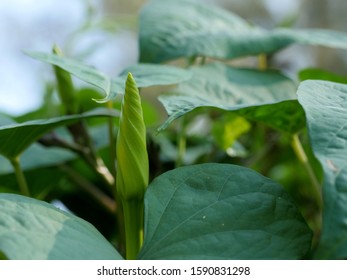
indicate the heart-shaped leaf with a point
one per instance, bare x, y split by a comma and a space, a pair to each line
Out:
188, 28
221, 211
145, 74
325, 104
32, 229
228, 88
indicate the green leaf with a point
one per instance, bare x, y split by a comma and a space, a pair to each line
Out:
84, 72
32, 229
221, 211
46, 157
286, 116
320, 74
146, 74
28, 132
3, 256
224, 87
186, 28
325, 104
43, 157
228, 129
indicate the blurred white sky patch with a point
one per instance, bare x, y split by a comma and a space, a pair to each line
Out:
36, 25
281, 9
30, 25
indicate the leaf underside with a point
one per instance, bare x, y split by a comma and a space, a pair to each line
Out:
258, 95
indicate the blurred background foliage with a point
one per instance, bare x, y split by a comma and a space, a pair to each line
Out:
104, 34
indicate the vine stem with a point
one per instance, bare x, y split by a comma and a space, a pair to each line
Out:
133, 220
181, 142
119, 214
181, 136
20, 176
262, 62
112, 141
91, 189
301, 155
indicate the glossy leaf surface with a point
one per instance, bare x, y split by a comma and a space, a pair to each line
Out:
221, 211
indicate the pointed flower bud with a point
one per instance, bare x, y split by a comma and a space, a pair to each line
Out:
132, 157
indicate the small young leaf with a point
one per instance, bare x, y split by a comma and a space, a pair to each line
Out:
34, 230
221, 211
228, 129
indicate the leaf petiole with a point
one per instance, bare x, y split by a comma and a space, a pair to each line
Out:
20, 176
316, 191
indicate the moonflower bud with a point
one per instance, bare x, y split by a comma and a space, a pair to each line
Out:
132, 157
132, 167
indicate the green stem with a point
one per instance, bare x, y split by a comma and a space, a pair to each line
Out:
133, 219
86, 153
20, 176
181, 143
262, 62
112, 142
316, 191
91, 189
190, 61
113, 154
